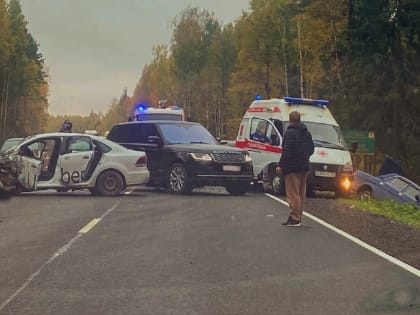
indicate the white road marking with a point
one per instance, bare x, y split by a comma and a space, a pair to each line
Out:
359, 242
59, 252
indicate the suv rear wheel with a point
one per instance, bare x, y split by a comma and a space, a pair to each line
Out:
178, 182
237, 189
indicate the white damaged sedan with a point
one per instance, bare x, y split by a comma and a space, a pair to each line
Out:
72, 161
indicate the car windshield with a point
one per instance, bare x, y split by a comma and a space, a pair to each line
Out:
186, 133
10, 143
324, 135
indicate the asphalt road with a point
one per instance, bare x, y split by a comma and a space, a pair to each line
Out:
207, 253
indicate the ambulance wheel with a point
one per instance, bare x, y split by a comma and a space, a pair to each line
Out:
277, 185
237, 189
109, 183
177, 180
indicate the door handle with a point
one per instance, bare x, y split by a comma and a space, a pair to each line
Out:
33, 166
86, 157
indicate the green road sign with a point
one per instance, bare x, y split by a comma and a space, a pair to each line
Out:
365, 140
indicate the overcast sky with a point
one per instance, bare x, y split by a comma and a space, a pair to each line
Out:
95, 48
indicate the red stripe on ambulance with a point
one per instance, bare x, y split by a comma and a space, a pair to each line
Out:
249, 144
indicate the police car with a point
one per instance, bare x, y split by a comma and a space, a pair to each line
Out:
143, 112
72, 161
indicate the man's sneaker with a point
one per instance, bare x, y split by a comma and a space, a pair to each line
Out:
292, 223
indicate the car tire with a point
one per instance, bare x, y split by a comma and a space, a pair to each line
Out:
365, 194
178, 181
277, 185
237, 189
109, 183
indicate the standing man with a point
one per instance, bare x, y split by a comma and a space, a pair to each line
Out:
294, 166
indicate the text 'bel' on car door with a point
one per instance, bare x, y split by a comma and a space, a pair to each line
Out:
73, 162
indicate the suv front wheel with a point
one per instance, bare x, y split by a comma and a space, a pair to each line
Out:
178, 182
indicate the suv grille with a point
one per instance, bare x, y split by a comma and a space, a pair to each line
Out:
228, 157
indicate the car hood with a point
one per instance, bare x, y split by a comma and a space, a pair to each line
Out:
204, 148
330, 156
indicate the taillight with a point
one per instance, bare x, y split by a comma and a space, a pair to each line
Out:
142, 161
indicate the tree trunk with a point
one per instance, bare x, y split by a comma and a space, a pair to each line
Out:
300, 60
286, 78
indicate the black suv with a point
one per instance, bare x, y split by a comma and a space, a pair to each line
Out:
183, 155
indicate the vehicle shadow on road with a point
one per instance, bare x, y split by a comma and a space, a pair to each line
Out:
198, 192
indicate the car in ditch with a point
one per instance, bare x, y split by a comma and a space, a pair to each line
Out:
385, 187
183, 155
72, 161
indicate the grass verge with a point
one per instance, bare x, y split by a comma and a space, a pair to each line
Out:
403, 213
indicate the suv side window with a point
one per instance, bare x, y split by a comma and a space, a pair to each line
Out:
132, 133
149, 130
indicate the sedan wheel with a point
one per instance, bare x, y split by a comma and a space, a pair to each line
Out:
109, 183
365, 195
178, 180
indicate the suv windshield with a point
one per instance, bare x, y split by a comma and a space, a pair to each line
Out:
323, 135
186, 133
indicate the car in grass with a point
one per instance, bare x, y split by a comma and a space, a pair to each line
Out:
385, 187
183, 155
72, 161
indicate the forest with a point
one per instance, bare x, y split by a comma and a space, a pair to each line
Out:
363, 56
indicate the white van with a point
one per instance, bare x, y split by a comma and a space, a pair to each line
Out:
331, 165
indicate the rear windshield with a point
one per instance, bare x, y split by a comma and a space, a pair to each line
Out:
173, 117
186, 133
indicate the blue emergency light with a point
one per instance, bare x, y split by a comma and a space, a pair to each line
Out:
258, 97
141, 107
305, 101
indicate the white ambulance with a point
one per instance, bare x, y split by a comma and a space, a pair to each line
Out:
331, 165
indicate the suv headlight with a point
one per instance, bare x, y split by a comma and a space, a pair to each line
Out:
201, 157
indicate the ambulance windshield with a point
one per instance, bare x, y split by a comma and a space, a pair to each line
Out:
324, 135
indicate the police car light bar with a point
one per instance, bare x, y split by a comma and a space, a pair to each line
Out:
141, 107
305, 101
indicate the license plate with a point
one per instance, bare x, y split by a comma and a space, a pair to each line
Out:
325, 174
231, 168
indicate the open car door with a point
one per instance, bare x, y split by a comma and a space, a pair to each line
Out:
30, 169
